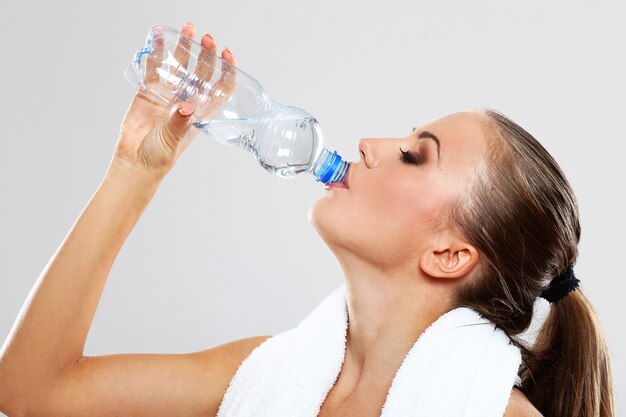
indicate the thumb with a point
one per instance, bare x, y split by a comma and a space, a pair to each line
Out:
178, 122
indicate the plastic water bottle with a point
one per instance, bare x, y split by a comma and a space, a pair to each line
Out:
233, 107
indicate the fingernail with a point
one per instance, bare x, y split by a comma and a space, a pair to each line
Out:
185, 111
209, 35
189, 23
228, 51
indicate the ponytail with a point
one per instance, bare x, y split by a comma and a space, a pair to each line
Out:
568, 370
521, 214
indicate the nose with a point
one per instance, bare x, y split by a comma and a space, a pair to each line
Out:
373, 150
365, 149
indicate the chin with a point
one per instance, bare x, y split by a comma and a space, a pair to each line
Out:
323, 220
331, 224
317, 216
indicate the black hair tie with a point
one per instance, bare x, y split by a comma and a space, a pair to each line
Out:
560, 286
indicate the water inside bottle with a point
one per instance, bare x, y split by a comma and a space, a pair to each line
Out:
234, 132
283, 146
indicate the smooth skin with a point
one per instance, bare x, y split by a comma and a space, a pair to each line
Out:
402, 264
43, 371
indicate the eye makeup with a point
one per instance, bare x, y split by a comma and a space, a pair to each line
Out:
428, 135
410, 158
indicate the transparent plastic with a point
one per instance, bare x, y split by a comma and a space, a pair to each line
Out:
232, 107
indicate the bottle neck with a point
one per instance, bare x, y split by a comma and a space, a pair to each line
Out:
330, 167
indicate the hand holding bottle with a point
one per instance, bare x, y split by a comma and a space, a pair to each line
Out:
152, 137
232, 108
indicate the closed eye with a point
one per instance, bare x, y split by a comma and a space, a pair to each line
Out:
409, 158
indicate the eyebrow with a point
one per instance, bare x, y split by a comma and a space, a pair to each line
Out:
428, 135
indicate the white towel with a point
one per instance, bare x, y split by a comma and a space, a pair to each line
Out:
461, 365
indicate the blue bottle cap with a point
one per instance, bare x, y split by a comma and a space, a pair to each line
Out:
328, 175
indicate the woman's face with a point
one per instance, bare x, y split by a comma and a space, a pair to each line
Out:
385, 215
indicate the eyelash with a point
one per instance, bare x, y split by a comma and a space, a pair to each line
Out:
408, 158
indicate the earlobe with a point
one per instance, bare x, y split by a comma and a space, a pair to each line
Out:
452, 262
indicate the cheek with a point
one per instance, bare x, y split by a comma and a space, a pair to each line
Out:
390, 217
407, 202
393, 219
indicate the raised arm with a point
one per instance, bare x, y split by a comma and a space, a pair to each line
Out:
41, 361
49, 334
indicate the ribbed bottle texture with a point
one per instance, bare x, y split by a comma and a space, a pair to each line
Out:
285, 140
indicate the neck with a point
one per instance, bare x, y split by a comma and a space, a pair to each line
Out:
388, 310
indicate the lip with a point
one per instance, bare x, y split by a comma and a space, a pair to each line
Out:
339, 184
335, 185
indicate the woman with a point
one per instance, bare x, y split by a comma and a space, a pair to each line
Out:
468, 210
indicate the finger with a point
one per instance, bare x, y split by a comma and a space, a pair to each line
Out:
181, 52
227, 54
206, 59
224, 87
153, 61
178, 123
226, 84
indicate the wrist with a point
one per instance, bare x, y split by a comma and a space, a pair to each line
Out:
123, 167
132, 177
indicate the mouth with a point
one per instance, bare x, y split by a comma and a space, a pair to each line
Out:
335, 185
340, 184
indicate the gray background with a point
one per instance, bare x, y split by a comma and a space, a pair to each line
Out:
225, 250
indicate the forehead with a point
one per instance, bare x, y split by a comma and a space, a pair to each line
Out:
462, 138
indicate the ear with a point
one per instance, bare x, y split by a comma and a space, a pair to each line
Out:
450, 258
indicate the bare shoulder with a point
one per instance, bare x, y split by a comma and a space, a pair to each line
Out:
520, 406
228, 357
232, 353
